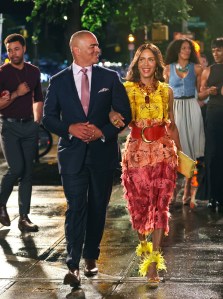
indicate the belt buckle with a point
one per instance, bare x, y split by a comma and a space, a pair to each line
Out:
143, 136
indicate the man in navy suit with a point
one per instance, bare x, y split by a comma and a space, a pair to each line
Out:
87, 149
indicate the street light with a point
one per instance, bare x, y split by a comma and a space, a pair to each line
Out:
131, 46
131, 38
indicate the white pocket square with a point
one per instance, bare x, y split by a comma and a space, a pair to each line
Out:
103, 90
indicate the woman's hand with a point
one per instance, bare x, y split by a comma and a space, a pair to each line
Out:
172, 131
212, 90
116, 119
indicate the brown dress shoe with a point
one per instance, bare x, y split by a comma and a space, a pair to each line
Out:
72, 278
25, 224
4, 217
90, 267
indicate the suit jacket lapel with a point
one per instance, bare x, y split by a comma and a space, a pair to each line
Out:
94, 82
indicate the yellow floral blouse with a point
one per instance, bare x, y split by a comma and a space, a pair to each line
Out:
157, 108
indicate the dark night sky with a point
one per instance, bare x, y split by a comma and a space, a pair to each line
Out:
12, 7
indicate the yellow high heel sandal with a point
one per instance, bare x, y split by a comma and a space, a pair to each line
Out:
144, 248
154, 257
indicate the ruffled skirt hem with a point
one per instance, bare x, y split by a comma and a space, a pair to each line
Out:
149, 191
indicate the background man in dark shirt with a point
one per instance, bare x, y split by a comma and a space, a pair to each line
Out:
21, 103
211, 187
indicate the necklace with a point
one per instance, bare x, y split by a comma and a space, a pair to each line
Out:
181, 68
147, 89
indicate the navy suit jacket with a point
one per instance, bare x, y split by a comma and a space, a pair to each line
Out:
63, 107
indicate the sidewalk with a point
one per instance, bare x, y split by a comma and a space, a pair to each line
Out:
33, 264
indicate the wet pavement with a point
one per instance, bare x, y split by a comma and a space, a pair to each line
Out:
32, 265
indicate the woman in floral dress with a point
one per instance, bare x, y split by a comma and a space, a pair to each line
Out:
150, 156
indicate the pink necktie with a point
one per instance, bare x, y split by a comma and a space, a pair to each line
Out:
85, 94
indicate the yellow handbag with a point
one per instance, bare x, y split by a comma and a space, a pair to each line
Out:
186, 165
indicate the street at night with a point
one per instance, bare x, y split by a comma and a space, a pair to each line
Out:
97, 86
33, 264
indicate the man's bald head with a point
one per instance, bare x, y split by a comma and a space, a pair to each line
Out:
78, 36
84, 48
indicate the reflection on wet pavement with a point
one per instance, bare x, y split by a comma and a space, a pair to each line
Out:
33, 264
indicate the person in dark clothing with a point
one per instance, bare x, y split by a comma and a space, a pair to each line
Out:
21, 104
203, 104
211, 187
77, 106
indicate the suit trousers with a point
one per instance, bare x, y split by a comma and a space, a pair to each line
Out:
88, 194
18, 142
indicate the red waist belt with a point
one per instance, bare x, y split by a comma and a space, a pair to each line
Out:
148, 133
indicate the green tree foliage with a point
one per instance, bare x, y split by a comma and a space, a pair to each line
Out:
95, 13
117, 18
209, 12
106, 18
54, 10
143, 13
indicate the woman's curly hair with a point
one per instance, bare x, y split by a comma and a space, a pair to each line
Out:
174, 49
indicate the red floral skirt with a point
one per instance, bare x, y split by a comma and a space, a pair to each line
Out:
149, 179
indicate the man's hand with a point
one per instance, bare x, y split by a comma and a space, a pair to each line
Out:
85, 131
5, 99
5, 95
22, 89
96, 132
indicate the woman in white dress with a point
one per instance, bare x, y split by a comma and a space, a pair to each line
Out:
183, 73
